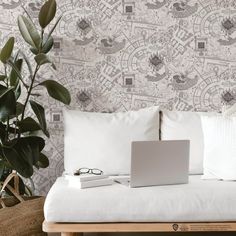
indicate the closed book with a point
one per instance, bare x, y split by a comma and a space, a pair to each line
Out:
85, 177
91, 183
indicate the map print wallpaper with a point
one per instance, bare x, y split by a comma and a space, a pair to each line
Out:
118, 55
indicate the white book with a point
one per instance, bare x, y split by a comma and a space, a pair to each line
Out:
89, 184
85, 177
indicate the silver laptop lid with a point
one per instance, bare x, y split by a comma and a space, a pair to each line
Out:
159, 162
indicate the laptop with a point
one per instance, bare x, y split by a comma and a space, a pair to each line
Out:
158, 163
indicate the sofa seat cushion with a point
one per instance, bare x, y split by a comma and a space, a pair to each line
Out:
197, 201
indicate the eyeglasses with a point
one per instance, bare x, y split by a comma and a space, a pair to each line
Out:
84, 170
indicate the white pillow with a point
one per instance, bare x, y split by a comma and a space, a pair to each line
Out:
219, 147
103, 140
178, 125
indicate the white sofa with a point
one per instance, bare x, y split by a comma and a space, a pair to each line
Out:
200, 205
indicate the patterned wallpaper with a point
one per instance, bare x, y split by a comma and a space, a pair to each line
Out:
117, 55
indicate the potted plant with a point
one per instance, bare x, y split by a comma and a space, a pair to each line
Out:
21, 147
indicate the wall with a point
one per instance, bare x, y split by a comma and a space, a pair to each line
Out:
117, 55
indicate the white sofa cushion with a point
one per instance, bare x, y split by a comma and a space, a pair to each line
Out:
103, 140
197, 201
179, 125
219, 147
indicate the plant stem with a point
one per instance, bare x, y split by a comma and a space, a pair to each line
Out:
7, 84
15, 69
32, 80
29, 91
41, 44
7, 129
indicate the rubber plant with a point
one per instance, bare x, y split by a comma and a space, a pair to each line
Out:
21, 144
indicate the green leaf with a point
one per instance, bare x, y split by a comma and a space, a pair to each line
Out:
34, 51
36, 142
15, 75
57, 91
2, 166
18, 91
14, 78
7, 103
47, 45
3, 90
28, 125
47, 13
24, 153
27, 63
29, 32
15, 69
42, 59
54, 66
43, 161
40, 113
19, 108
7, 50
18, 162
2, 77
2, 133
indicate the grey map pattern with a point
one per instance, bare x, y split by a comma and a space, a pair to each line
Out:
118, 55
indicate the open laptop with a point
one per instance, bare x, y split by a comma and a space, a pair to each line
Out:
158, 163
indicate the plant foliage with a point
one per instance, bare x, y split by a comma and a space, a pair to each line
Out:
21, 143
